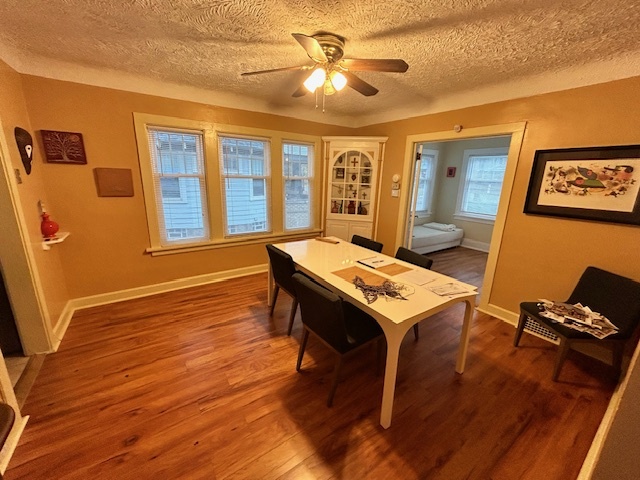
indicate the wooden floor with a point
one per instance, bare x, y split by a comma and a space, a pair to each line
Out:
201, 384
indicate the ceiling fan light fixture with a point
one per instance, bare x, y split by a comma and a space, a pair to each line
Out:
328, 88
316, 79
338, 80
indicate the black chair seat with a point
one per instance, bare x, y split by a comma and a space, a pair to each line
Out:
361, 328
338, 324
532, 310
614, 296
7, 417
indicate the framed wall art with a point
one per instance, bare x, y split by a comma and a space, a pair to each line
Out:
113, 182
594, 183
451, 172
63, 147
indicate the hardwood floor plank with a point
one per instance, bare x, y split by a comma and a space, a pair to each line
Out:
201, 384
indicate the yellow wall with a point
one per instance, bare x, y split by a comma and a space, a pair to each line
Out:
106, 249
540, 256
14, 113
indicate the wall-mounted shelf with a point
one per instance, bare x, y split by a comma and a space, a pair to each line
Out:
60, 237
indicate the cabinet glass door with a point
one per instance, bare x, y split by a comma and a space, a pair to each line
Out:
351, 184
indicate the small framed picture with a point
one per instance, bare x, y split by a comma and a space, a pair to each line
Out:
339, 172
451, 171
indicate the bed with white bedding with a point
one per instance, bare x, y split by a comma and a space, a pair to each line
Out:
432, 237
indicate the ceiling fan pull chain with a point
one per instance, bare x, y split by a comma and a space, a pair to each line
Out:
323, 97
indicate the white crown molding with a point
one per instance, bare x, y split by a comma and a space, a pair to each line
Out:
599, 72
57, 70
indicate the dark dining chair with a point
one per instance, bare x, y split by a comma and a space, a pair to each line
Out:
7, 419
338, 324
419, 260
614, 296
283, 268
367, 243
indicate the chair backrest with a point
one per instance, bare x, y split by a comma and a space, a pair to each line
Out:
322, 312
415, 258
282, 267
367, 243
614, 296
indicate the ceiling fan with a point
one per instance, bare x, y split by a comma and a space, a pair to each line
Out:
332, 72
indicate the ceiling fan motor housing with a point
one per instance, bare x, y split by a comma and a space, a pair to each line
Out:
332, 46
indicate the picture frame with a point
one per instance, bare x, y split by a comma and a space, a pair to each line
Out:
113, 182
63, 147
599, 184
339, 172
451, 172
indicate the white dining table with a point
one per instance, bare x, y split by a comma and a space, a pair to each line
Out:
321, 259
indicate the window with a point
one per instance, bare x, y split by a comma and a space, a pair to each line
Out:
206, 189
481, 183
297, 171
177, 160
245, 177
425, 181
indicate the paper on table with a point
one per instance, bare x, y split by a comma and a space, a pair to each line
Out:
420, 276
376, 262
448, 289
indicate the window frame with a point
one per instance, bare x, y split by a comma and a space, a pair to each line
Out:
153, 191
266, 176
479, 152
434, 154
310, 178
211, 132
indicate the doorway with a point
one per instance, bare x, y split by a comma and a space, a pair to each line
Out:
516, 132
456, 183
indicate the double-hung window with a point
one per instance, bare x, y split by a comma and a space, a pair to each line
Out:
208, 185
481, 183
297, 172
425, 181
245, 178
177, 165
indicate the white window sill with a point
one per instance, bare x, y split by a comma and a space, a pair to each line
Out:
474, 218
231, 242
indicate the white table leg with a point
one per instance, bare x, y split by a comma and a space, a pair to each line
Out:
394, 339
464, 336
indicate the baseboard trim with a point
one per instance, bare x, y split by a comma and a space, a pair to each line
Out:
147, 290
509, 317
499, 313
475, 245
129, 294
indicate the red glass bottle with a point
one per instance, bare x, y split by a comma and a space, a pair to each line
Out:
48, 227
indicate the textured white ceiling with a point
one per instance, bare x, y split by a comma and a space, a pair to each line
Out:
460, 52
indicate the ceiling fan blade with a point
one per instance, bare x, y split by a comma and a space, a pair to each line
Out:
300, 92
360, 85
283, 69
311, 46
375, 65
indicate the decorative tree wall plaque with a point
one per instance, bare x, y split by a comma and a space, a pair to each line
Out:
63, 147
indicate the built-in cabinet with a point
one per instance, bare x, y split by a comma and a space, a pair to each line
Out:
353, 167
